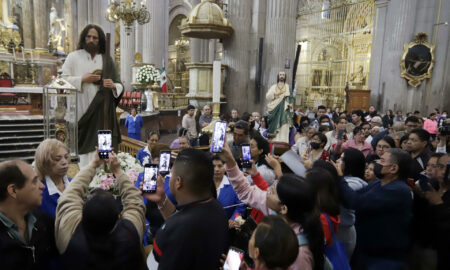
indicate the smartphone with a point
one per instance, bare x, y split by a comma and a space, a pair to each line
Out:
246, 157
234, 259
424, 180
218, 139
164, 162
104, 143
340, 134
150, 178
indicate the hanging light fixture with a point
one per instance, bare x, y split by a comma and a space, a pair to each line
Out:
127, 11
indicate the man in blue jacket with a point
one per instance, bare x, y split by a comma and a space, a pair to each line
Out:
383, 214
134, 124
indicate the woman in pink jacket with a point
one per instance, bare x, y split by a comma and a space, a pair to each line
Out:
292, 198
431, 125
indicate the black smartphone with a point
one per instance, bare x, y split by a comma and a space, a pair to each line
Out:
164, 162
218, 138
150, 178
104, 143
340, 134
246, 157
234, 259
424, 180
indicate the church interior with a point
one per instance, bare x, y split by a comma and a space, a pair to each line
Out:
350, 54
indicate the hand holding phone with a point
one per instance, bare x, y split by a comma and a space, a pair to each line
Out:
104, 143
164, 162
246, 156
234, 259
150, 178
218, 138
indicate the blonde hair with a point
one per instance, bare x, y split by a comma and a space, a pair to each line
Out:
45, 155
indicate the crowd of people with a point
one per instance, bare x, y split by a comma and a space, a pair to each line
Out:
374, 195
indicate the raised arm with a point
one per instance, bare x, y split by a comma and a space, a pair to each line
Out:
70, 205
251, 195
133, 206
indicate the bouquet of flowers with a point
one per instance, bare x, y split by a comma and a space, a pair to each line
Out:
105, 180
148, 75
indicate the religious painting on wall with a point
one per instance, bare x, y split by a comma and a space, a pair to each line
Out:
417, 60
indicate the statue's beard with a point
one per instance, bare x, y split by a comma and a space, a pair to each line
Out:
91, 48
282, 80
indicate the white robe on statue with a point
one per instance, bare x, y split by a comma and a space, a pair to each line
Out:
282, 133
76, 65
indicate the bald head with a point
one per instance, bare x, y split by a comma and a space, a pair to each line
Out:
14, 172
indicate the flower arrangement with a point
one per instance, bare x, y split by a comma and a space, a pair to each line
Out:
105, 180
148, 75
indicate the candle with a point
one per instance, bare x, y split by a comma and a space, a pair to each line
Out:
216, 81
23, 55
31, 53
14, 53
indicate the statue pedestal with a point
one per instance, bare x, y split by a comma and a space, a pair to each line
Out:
201, 83
358, 99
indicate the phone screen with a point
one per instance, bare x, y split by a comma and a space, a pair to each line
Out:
340, 134
164, 162
150, 178
234, 259
104, 143
246, 157
218, 139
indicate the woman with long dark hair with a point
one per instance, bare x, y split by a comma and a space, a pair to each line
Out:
353, 164
293, 198
327, 199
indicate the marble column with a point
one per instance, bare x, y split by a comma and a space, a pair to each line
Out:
156, 34
28, 24
236, 55
41, 23
279, 42
126, 56
139, 38
82, 16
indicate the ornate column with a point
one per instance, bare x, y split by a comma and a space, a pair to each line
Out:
126, 56
70, 27
236, 55
28, 24
41, 23
279, 42
156, 34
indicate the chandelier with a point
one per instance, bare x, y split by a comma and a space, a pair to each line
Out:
127, 11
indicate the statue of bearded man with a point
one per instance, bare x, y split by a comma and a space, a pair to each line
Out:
279, 106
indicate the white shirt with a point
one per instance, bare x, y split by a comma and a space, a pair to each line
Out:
76, 65
52, 189
224, 182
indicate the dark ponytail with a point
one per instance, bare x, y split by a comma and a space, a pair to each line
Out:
100, 215
299, 196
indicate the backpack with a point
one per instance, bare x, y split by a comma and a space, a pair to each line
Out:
336, 252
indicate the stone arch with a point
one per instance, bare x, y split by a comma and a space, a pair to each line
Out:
178, 7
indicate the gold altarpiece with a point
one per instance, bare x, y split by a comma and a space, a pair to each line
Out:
336, 42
